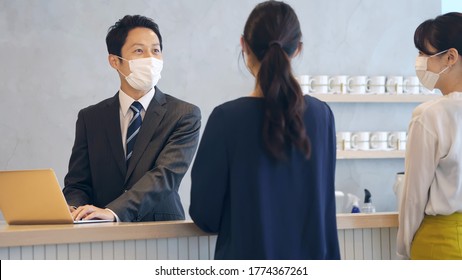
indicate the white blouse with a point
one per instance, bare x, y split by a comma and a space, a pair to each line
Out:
433, 166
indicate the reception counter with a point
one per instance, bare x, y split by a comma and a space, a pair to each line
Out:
361, 236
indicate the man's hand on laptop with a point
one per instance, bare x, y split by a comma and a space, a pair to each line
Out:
91, 212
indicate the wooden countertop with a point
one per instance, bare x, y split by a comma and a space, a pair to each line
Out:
360, 220
60, 234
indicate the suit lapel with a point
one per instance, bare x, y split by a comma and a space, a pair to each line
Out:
111, 119
151, 121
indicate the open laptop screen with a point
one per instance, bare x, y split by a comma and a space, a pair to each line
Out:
29, 197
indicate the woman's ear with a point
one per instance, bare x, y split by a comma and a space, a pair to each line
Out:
453, 56
243, 45
298, 50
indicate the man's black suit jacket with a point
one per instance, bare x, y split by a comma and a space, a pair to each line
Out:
147, 189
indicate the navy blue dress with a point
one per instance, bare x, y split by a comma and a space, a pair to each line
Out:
262, 208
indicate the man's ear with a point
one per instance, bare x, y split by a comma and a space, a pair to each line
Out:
113, 61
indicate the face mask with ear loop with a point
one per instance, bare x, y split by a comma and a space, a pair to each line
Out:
427, 78
145, 72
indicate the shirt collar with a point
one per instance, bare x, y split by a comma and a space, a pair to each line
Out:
126, 101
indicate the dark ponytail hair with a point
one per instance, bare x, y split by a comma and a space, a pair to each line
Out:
442, 33
272, 32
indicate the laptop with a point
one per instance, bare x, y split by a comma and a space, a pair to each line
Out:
32, 197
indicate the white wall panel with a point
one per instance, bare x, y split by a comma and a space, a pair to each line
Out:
74, 251
162, 249
193, 248
141, 249
27, 253
130, 250
51, 252
151, 249
212, 242
376, 244
341, 243
108, 250
97, 250
349, 244
172, 247
119, 250
4, 253
367, 243
385, 240
15, 253
62, 252
204, 248
355, 244
358, 242
183, 248
39, 252
85, 251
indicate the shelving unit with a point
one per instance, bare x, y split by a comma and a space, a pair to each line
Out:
351, 154
372, 169
375, 98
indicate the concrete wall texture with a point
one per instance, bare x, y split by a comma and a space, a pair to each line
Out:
54, 62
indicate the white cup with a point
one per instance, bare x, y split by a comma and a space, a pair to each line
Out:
304, 81
376, 84
397, 140
411, 85
343, 140
357, 84
338, 84
319, 84
395, 85
360, 141
378, 140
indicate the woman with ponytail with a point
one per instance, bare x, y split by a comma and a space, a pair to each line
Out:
263, 177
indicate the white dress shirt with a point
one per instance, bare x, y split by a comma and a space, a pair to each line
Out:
433, 166
126, 114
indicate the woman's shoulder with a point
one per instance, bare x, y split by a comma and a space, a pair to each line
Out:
315, 105
314, 100
241, 104
237, 110
423, 108
436, 106
245, 106
242, 101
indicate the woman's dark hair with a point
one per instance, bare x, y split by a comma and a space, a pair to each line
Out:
272, 32
442, 33
117, 34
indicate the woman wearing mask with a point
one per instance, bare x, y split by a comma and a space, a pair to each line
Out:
263, 177
430, 219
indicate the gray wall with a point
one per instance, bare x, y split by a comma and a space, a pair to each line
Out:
54, 62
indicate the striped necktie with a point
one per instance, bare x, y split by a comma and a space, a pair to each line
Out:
133, 128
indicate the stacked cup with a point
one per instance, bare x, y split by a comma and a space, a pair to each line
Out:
376, 140
361, 84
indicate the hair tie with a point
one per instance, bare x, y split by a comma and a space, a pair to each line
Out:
275, 42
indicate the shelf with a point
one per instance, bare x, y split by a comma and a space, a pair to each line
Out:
369, 154
375, 98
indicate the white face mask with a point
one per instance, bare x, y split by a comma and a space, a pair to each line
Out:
427, 78
145, 72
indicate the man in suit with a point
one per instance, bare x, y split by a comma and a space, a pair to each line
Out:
132, 150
